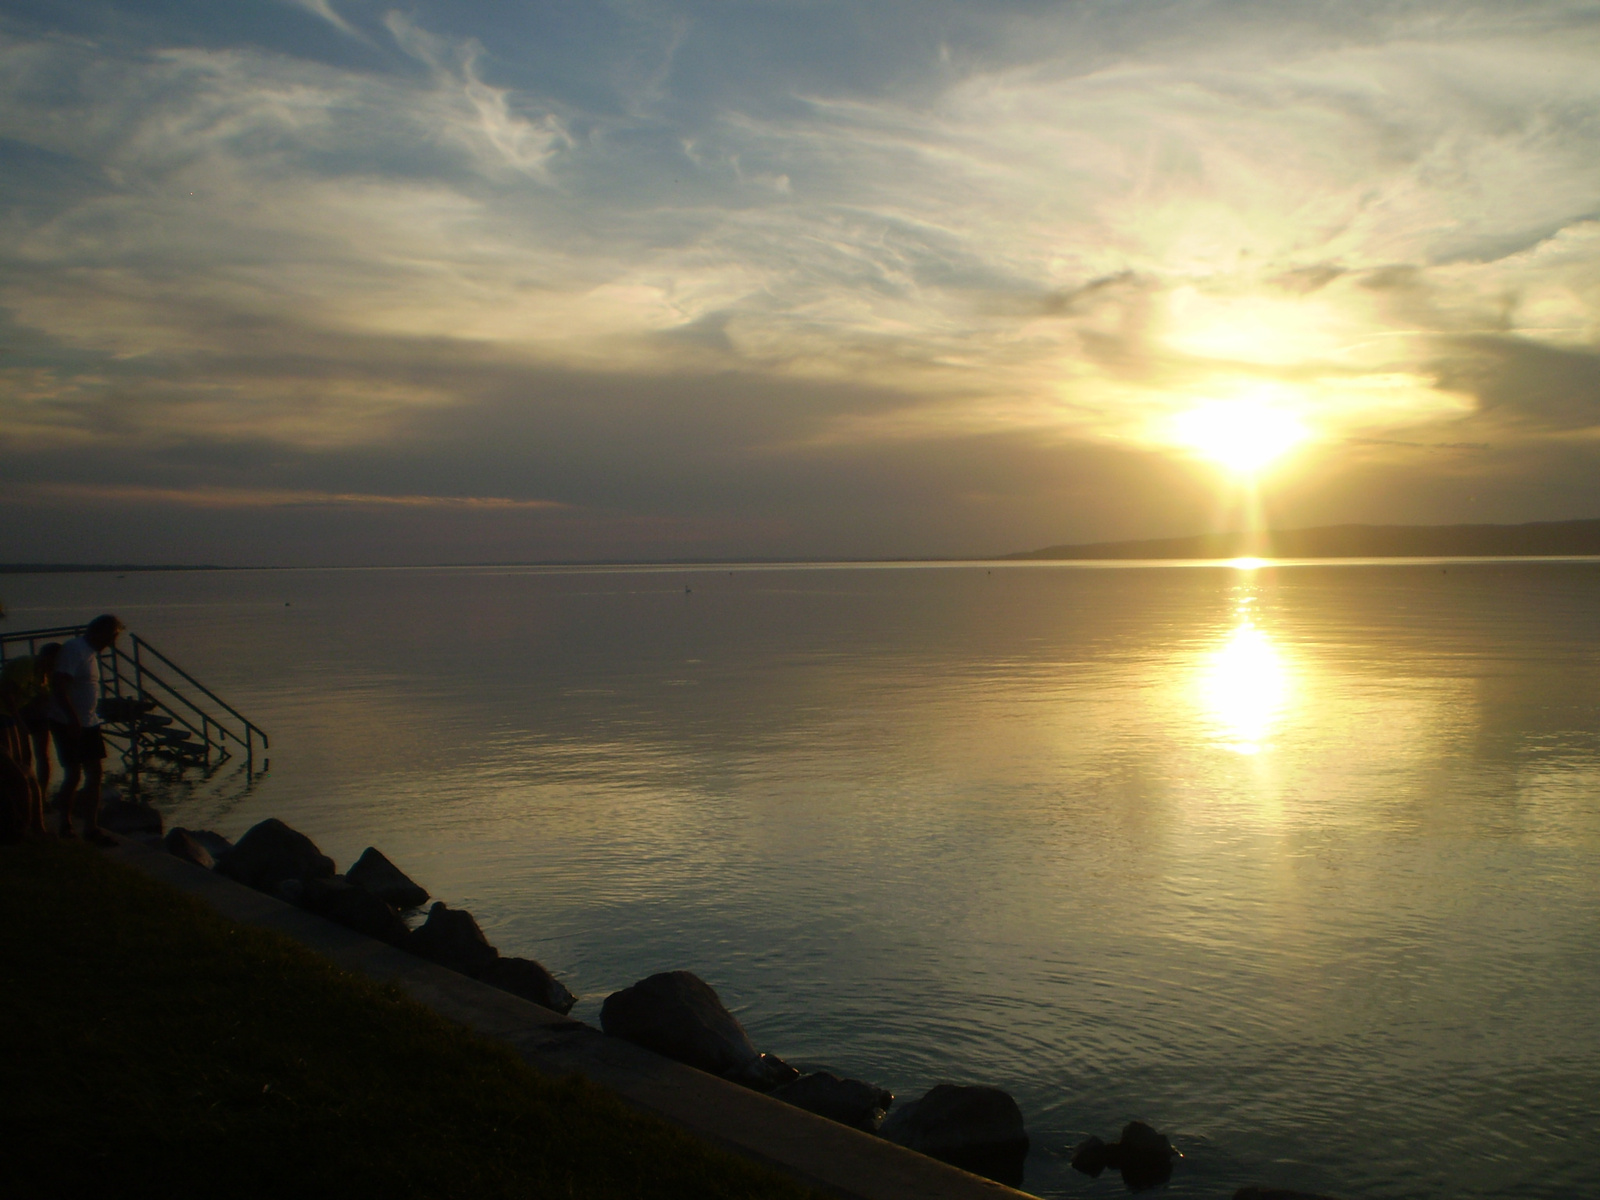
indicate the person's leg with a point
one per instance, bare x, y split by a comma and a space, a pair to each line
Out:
36, 825
14, 780
66, 740
22, 755
93, 775
41, 757
13, 800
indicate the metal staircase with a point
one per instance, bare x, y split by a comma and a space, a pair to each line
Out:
150, 710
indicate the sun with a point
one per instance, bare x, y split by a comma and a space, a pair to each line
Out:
1246, 435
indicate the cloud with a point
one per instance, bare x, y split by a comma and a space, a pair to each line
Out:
700, 263
215, 497
325, 10
487, 118
1537, 388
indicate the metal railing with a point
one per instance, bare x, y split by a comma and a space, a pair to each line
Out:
163, 719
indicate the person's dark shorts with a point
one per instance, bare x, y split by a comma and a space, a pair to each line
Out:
77, 747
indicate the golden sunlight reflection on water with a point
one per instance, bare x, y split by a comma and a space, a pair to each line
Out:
1244, 686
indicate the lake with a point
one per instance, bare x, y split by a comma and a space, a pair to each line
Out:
1299, 864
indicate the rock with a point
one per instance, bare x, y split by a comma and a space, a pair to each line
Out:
526, 978
272, 852
355, 908
182, 844
766, 1072
1146, 1156
976, 1128
1261, 1193
128, 817
677, 1014
847, 1101
386, 881
1139, 1139
451, 938
291, 891
1092, 1157
215, 843
1142, 1155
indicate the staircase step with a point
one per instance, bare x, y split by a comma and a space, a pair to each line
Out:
154, 721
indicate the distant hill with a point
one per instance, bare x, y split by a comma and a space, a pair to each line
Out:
1353, 541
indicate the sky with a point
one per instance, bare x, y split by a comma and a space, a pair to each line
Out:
344, 282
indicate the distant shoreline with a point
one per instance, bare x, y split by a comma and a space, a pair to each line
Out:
77, 568
1539, 539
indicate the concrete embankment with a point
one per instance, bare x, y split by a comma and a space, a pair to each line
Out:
819, 1152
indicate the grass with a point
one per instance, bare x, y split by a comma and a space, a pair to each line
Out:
150, 1047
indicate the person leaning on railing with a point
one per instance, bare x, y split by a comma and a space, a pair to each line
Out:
22, 684
75, 725
36, 713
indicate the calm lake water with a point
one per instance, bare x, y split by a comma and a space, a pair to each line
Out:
1300, 865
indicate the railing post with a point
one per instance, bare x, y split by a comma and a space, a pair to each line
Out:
136, 742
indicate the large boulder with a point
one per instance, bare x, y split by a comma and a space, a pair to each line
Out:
180, 843
386, 881
341, 901
129, 817
976, 1128
526, 978
678, 1014
848, 1101
270, 853
451, 938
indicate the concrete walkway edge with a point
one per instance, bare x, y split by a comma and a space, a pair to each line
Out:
820, 1153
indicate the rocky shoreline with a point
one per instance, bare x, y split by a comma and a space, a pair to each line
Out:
674, 1013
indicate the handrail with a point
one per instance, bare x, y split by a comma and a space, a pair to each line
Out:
244, 720
37, 635
174, 713
147, 673
157, 695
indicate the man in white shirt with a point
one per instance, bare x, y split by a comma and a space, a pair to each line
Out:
75, 725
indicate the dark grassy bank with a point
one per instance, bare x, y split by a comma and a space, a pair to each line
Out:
150, 1047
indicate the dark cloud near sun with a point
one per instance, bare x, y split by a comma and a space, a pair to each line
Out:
1543, 389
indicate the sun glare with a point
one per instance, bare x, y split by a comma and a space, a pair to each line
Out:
1245, 685
1246, 436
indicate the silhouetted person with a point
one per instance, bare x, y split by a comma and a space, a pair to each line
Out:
75, 725
21, 803
36, 712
